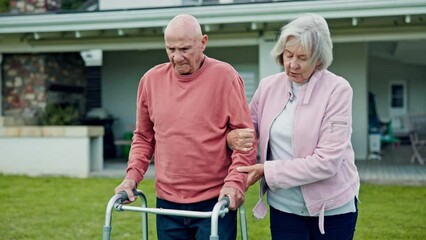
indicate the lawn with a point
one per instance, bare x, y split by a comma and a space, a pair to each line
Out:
52, 208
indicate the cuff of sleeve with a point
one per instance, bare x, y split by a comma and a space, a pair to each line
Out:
269, 167
236, 186
134, 175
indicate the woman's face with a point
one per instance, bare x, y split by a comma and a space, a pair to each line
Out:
296, 61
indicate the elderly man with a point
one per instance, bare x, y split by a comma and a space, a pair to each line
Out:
185, 108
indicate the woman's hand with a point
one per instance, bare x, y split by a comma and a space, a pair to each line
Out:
254, 173
241, 139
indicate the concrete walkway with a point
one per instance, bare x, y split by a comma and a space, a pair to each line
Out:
393, 174
394, 168
117, 169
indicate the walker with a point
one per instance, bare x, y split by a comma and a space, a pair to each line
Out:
220, 209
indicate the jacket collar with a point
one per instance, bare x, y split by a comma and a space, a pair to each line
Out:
307, 88
311, 84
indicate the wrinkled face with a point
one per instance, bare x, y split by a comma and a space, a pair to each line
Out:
185, 52
296, 61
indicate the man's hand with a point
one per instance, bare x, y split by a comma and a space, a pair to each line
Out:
236, 198
127, 185
241, 139
255, 172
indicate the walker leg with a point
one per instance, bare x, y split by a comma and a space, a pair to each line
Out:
144, 216
243, 223
224, 202
108, 216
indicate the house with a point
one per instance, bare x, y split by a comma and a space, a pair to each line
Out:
379, 47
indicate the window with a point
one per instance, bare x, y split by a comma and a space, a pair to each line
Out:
397, 104
397, 95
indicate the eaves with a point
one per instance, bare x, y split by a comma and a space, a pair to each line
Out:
218, 14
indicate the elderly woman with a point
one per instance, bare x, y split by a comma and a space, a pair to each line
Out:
303, 118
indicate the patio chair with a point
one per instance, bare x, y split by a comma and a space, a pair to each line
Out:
378, 126
388, 136
418, 137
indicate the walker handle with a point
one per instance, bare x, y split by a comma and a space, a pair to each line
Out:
124, 195
226, 199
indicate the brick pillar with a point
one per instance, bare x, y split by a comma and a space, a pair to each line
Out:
32, 81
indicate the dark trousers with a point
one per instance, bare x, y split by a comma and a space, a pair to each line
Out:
187, 228
286, 226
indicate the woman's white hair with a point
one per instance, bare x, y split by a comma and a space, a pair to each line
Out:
311, 30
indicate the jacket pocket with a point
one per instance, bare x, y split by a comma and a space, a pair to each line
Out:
338, 129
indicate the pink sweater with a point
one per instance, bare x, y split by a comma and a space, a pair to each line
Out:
183, 120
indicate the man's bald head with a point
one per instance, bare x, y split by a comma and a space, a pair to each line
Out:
184, 25
185, 44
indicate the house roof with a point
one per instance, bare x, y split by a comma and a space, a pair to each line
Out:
213, 14
349, 21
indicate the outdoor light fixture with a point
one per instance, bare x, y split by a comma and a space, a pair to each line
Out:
207, 28
36, 36
120, 32
253, 26
354, 21
407, 19
77, 34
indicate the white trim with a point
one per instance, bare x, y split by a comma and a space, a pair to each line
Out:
215, 40
236, 13
380, 34
119, 44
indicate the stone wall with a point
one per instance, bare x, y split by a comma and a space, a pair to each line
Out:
34, 6
32, 81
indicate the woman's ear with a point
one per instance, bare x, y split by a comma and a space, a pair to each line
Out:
318, 65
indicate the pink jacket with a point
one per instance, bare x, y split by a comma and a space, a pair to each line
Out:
324, 164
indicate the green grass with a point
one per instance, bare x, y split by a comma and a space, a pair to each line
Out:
67, 208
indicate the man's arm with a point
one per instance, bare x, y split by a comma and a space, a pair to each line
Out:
143, 144
239, 117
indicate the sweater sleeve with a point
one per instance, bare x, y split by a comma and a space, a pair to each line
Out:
254, 110
143, 143
239, 117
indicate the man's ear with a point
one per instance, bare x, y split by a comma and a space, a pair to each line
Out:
204, 41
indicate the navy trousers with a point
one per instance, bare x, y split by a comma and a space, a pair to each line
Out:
286, 226
187, 228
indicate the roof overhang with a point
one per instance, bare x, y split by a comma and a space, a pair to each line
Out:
349, 21
217, 14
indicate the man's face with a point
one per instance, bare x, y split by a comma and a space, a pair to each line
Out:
185, 52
